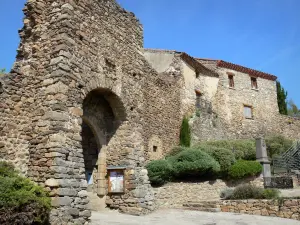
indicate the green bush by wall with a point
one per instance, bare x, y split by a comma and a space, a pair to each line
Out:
21, 201
159, 172
242, 169
248, 191
223, 156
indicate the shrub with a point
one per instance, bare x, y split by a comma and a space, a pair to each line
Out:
193, 163
242, 149
223, 156
270, 193
21, 201
242, 169
185, 133
247, 191
176, 150
159, 172
277, 144
227, 193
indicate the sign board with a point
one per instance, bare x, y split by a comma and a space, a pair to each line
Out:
116, 181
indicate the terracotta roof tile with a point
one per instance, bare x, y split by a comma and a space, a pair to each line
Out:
232, 66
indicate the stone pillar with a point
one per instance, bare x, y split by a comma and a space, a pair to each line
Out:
101, 181
262, 157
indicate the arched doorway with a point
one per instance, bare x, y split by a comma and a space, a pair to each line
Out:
103, 113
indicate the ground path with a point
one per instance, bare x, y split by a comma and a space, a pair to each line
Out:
185, 217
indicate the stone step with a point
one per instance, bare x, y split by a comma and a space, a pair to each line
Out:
200, 204
203, 209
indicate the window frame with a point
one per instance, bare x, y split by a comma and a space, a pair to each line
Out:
231, 83
254, 83
251, 108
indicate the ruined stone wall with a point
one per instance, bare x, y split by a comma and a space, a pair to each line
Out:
68, 49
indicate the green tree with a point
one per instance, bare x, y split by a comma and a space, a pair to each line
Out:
293, 110
281, 99
2, 71
185, 133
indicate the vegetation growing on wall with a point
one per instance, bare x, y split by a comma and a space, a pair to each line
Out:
185, 133
281, 99
21, 201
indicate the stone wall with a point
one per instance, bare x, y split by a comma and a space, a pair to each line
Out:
174, 195
69, 51
226, 119
288, 208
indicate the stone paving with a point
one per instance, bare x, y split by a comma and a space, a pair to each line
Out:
184, 217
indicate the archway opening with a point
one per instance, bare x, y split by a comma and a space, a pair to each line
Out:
103, 113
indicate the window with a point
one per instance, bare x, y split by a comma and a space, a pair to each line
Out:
248, 112
231, 81
253, 82
154, 148
198, 99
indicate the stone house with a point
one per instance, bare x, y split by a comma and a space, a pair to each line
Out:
85, 107
225, 100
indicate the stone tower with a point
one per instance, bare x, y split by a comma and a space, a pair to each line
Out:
74, 104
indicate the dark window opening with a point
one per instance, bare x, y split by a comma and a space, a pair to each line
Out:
231, 81
254, 83
154, 148
198, 99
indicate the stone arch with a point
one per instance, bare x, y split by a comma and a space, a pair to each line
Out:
103, 113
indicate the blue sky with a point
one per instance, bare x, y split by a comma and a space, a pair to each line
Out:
260, 34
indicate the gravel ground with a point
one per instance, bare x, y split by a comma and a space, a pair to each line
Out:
185, 217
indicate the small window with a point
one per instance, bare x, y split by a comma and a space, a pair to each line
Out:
248, 112
154, 148
198, 99
231, 81
254, 83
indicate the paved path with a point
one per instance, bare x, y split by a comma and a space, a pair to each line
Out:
182, 217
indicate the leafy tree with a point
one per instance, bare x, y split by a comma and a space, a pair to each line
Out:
2, 72
281, 99
185, 133
293, 110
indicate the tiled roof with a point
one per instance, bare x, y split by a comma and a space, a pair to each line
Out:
220, 63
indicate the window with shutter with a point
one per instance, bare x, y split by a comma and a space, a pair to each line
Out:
248, 112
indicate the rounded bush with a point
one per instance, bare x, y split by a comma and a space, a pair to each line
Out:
242, 149
247, 191
194, 163
21, 200
159, 172
242, 169
270, 193
223, 156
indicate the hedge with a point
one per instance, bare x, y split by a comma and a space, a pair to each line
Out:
242, 149
223, 156
193, 163
21, 201
242, 169
159, 172
248, 191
